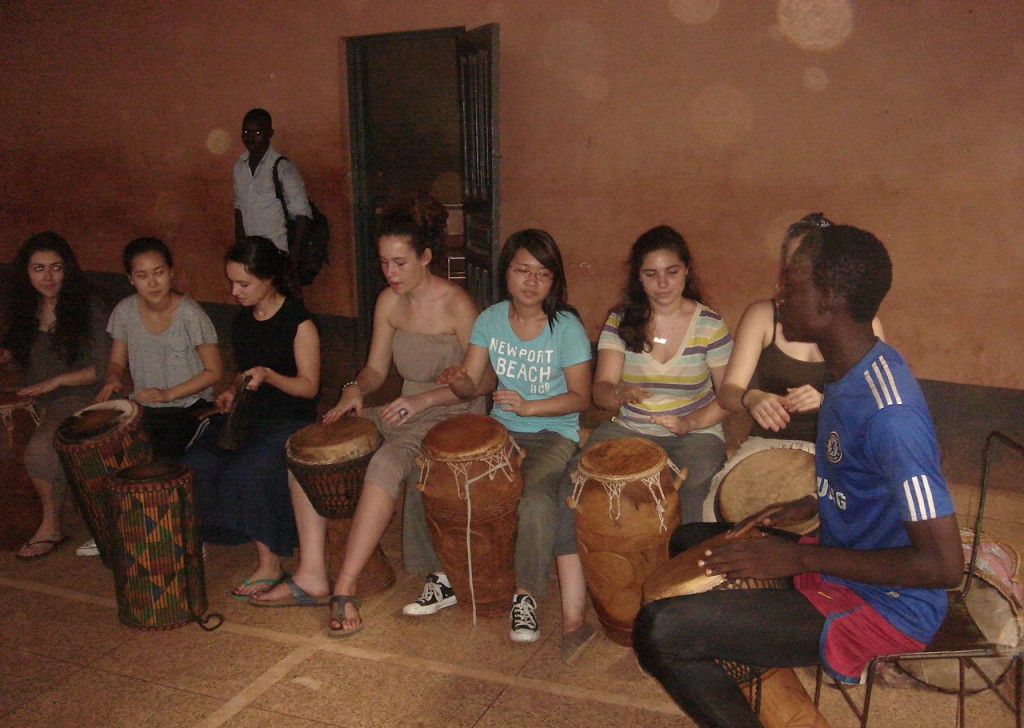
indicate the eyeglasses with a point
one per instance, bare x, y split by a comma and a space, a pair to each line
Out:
541, 275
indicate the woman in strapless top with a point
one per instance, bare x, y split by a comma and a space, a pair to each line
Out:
421, 323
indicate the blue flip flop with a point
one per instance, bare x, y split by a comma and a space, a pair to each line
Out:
298, 597
271, 583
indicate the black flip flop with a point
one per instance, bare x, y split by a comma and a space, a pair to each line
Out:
55, 543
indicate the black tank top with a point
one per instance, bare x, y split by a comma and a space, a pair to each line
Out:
778, 372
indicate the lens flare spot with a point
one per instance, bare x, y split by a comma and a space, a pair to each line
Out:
817, 25
219, 141
721, 114
693, 12
815, 79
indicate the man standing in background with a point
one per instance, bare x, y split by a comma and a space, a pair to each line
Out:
258, 209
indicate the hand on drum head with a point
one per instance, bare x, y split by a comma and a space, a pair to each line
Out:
778, 515
34, 390
769, 557
803, 399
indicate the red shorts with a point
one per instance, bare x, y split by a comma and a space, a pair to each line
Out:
854, 631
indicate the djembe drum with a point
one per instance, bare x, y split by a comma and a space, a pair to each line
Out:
764, 479
627, 506
775, 694
471, 484
92, 444
329, 460
19, 503
158, 566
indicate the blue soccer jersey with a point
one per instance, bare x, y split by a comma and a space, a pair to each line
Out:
878, 467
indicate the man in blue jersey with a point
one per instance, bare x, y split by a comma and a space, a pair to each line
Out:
873, 581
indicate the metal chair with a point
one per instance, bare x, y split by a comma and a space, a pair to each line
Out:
959, 638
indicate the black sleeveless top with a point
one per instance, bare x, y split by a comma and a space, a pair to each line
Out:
271, 344
778, 372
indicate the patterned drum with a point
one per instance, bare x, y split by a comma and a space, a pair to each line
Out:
96, 442
764, 479
471, 484
20, 509
775, 694
329, 460
158, 569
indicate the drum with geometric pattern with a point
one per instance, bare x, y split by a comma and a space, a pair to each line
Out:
158, 568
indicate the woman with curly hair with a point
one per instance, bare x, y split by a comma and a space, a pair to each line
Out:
55, 340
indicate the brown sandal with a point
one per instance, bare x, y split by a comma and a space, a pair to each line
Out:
338, 602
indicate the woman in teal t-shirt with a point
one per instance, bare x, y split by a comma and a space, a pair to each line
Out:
535, 344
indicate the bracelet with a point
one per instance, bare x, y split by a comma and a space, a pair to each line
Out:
352, 383
743, 397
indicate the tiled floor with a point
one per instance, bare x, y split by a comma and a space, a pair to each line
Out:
66, 660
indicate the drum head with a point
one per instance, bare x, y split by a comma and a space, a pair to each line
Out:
766, 478
463, 437
333, 442
680, 575
97, 420
624, 458
999, 619
157, 471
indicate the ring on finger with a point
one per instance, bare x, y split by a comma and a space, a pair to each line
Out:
403, 412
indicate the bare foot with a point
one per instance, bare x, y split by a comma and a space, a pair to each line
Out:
40, 545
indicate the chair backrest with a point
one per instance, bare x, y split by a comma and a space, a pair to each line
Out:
990, 442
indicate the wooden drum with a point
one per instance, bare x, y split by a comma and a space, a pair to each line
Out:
19, 503
764, 479
158, 568
776, 694
627, 507
92, 444
329, 460
471, 484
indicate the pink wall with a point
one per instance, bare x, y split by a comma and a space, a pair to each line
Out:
727, 120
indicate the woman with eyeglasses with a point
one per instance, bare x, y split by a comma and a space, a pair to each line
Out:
777, 381
421, 324
535, 344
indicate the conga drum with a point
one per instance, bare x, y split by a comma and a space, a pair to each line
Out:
329, 460
158, 563
764, 479
471, 484
92, 444
627, 507
775, 694
19, 503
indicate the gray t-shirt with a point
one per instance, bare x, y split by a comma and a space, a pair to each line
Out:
169, 358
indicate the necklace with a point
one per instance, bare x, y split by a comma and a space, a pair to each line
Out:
664, 339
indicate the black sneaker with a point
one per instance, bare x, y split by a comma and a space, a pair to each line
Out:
523, 619
436, 596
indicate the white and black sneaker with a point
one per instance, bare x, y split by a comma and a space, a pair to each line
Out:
89, 548
523, 619
437, 594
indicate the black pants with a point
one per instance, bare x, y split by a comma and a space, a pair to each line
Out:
677, 639
171, 429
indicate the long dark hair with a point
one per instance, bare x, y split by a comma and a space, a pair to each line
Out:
263, 259
71, 333
543, 247
636, 311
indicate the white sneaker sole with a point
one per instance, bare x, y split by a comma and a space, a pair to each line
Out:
524, 636
88, 548
423, 610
